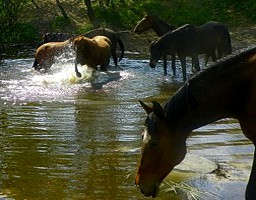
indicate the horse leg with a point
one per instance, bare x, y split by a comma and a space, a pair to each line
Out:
184, 67
195, 63
78, 74
165, 64
250, 189
249, 129
206, 59
173, 64
113, 52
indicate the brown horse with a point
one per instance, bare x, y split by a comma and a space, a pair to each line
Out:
112, 35
92, 52
226, 89
207, 32
45, 54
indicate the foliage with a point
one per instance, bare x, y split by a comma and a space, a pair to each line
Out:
117, 14
59, 23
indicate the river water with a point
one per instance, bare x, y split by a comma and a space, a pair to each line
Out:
63, 137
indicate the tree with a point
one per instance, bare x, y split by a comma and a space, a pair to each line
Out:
62, 10
90, 13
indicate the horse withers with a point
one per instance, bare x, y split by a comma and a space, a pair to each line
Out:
92, 52
227, 89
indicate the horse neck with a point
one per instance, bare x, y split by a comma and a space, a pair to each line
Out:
160, 27
186, 113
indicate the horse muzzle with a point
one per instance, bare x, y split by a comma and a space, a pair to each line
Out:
148, 190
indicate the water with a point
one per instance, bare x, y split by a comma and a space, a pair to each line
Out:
63, 137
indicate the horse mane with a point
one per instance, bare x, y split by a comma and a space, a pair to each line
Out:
177, 105
163, 23
223, 67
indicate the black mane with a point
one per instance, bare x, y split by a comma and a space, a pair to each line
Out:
178, 104
223, 67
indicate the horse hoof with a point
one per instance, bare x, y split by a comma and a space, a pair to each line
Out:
78, 74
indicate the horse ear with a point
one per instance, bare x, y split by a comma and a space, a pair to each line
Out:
158, 110
146, 107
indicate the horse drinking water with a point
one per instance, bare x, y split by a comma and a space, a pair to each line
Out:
226, 89
212, 31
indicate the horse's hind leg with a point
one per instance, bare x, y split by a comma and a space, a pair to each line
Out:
173, 64
250, 189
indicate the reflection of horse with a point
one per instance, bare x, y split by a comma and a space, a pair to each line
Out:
215, 32
226, 89
92, 52
112, 35
45, 54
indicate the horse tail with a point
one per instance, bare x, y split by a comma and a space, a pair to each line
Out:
121, 44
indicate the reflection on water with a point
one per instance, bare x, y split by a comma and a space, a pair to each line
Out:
64, 137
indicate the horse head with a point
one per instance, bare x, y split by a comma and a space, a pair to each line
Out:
162, 150
143, 25
155, 53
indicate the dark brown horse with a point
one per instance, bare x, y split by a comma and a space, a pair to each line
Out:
182, 41
226, 89
160, 27
190, 40
112, 35
207, 32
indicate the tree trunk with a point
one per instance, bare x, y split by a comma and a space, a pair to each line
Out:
91, 13
62, 10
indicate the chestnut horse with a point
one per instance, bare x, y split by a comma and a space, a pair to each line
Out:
110, 34
226, 89
92, 52
210, 30
45, 54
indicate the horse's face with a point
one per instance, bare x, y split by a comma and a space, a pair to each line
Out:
155, 53
143, 25
161, 151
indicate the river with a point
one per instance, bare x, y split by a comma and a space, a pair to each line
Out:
63, 137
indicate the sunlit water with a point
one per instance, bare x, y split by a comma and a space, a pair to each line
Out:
63, 137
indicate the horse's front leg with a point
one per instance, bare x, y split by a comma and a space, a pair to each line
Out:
173, 64
78, 74
184, 67
165, 64
250, 189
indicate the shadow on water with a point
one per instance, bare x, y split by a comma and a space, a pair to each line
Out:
64, 137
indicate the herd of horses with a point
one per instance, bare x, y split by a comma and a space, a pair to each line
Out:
225, 89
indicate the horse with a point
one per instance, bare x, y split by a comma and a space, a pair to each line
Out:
45, 54
190, 40
112, 35
227, 89
92, 52
160, 27
207, 32
182, 41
